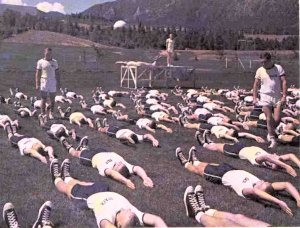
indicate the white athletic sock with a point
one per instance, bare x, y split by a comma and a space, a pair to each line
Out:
205, 145
68, 179
196, 163
198, 216
210, 212
186, 165
58, 179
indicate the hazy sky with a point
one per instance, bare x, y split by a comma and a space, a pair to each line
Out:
62, 6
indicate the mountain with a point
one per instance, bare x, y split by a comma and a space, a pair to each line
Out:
274, 16
29, 10
21, 9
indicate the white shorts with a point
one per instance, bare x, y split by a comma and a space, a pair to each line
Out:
48, 85
271, 101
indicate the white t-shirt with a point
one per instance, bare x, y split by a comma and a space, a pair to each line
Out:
156, 107
151, 101
55, 127
108, 102
270, 79
27, 143
107, 160
106, 205
170, 45
202, 99
215, 120
210, 106
143, 122
71, 95
251, 153
19, 95
201, 111
158, 115
248, 99
239, 180
219, 131
97, 108
37, 104
124, 133
48, 68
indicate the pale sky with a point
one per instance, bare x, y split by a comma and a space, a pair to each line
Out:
62, 6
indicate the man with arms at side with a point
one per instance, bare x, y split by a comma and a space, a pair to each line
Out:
47, 79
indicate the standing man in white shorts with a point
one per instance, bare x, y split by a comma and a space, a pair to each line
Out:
47, 79
272, 93
170, 49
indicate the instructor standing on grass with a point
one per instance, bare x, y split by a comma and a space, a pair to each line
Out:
170, 49
47, 79
272, 93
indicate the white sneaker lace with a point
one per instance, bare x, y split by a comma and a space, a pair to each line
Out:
201, 200
46, 215
12, 221
193, 202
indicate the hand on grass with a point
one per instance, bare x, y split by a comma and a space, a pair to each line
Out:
130, 184
285, 208
259, 139
148, 182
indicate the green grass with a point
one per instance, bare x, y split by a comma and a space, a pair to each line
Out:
27, 183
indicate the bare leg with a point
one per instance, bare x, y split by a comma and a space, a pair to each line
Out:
219, 147
52, 102
197, 169
192, 125
270, 121
210, 221
240, 219
277, 115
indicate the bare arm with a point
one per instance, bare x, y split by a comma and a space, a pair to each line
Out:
142, 174
251, 136
154, 141
37, 78
270, 158
57, 76
35, 154
265, 196
161, 126
283, 84
288, 187
255, 90
118, 177
153, 220
106, 224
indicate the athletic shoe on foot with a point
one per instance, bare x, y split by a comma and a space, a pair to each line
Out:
54, 169
239, 118
206, 137
8, 129
192, 207
104, 122
180, 156
14, 128
199, 138
192, 157
98, 123
10, 216
65, 143
83, 143
68, 110
65, 169
41, 120
200, 198
43, 218
181, 121
51, 117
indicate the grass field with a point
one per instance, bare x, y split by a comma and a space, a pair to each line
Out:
27, 183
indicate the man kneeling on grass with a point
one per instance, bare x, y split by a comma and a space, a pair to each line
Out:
109, 164
110, 208
243, 183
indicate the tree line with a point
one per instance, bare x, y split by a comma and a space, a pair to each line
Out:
139, 36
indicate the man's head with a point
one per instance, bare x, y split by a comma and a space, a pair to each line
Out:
153, 125
48, 53
171, 36
24, 113
122, 169
266, 60
233, 133
126, 218
264, 186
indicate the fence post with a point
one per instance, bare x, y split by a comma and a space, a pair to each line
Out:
226, 62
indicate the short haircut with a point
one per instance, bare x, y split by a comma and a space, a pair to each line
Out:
266, 55
235, 134
48, 49
124, 171
153, 125
134, 138
133, 222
